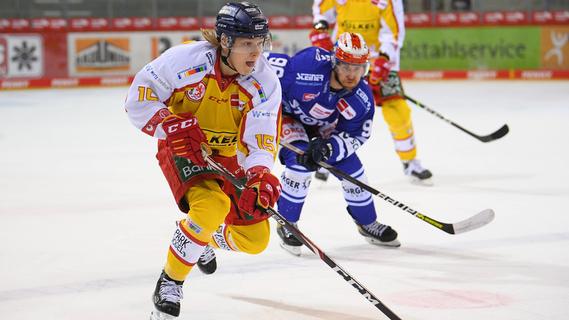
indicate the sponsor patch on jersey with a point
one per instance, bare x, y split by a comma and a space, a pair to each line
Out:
152, 124
309, 76
236, 103
364, 98
219, 139
192, 70
345, 109
210, 58
293, 131
196, 92
259, 114
259, 89
310, 96
320, 112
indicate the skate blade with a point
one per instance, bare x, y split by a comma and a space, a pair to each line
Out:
294, 250
424, 183
157, 315
393, 243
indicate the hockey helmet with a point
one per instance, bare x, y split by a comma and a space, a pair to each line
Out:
242, 20
351, 48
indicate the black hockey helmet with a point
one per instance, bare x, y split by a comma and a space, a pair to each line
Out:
241, 20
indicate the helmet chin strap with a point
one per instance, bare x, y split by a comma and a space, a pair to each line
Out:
225, 60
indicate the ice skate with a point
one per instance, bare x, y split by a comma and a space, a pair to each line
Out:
418, 174
322, 174
379, 234
288, 241
207, 262
167, 296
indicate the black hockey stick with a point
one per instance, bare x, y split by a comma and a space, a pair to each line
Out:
487, 138
478, 220
310, 245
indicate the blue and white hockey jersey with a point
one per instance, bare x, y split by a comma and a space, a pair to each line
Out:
308, 98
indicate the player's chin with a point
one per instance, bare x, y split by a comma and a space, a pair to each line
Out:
350, 84
245, 70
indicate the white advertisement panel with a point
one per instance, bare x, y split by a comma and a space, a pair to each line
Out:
21, 56
125, 53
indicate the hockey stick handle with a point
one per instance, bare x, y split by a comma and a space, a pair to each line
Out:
493, 136
339, 173
310, 245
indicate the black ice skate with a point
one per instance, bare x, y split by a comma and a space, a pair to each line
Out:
379, 234
418, 174
288, 241
167, 296
322, 174
206, 263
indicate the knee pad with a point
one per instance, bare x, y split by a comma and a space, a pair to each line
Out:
397, 115
209, 206
252, 239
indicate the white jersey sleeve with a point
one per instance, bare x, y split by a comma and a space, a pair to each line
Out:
153, 85
260, 126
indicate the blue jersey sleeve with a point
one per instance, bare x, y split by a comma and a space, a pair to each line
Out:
280, 63
354, 123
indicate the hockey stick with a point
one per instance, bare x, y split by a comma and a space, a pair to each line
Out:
478, 220
310, 245
487, 138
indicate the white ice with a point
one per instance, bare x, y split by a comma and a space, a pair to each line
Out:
86, 217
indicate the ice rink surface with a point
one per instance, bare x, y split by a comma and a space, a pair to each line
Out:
86, 217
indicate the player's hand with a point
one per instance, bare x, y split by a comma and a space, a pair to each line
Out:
318, 150
320, 36
185, 137
261, 191
380, 69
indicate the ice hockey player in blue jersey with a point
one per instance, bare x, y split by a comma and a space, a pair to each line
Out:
328, 112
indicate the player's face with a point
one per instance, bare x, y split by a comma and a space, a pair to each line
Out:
245, 53
349, 75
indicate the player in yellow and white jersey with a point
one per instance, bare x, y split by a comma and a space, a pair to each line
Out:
381, 23
222, 96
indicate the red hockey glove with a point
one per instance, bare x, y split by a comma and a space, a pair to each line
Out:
185, 138
380, 69
379, 72
321, 38
261, 191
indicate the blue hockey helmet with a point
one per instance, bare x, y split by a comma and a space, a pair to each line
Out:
241, 20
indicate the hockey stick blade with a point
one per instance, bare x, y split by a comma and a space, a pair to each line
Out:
496, 135
310, 245
478, 220
487, 138
474, 222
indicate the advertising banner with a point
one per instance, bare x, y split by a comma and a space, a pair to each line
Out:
21, 56
66, 59
481, 48
555, 48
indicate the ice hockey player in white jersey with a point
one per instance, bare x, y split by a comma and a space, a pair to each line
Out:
219, 96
